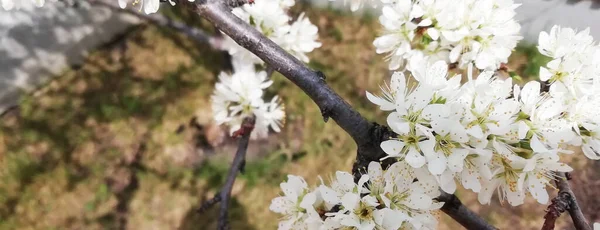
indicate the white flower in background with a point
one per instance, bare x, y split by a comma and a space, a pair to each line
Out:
563, 41
271, 18
148, 6
468, 31
399, 32
239, 95
16, 4
355, 4
299, 38
269, 115
575, 67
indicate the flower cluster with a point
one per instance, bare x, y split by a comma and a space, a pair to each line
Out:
399, 197
240, 95
482, 32
489, 135
574, 75
271, 18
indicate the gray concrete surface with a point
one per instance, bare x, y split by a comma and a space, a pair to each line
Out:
541, 15
38, 43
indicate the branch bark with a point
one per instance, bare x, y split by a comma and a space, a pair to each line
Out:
196, 34
565, 201
461, 214
237, 165
367, 135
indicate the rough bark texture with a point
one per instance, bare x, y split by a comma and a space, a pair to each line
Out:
573, 207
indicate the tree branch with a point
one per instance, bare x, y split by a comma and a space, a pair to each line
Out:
461, 214
237, 165
368, 136
565, 201
160, 20
559, 205
311, 82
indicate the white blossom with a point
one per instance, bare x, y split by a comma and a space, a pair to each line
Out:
240, 95
16, 4
481, 32
271, 18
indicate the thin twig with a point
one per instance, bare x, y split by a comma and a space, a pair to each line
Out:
566, 196
312, 82
454, 208
239, 160
270, 71
196, 34
559, 205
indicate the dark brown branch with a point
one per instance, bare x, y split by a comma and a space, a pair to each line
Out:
564, 201
239, 160
461, 214
367, 135
311, 82
559, 205
160, 20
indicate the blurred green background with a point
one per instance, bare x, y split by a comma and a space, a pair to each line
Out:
127, 141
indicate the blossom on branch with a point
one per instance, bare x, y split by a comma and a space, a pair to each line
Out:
481, 32
149, 6
271, 18
397, 198
240, 95
489, 135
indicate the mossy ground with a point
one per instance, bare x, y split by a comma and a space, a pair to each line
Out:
127, 139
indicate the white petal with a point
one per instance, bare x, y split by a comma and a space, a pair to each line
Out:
545, 74
397, 123
415, 159
419, 201
350, 201
485, 195
456, 159
151, 6
383, 104
329, 195
537, 189
280, 205
537, 145
392, 147
375, 171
